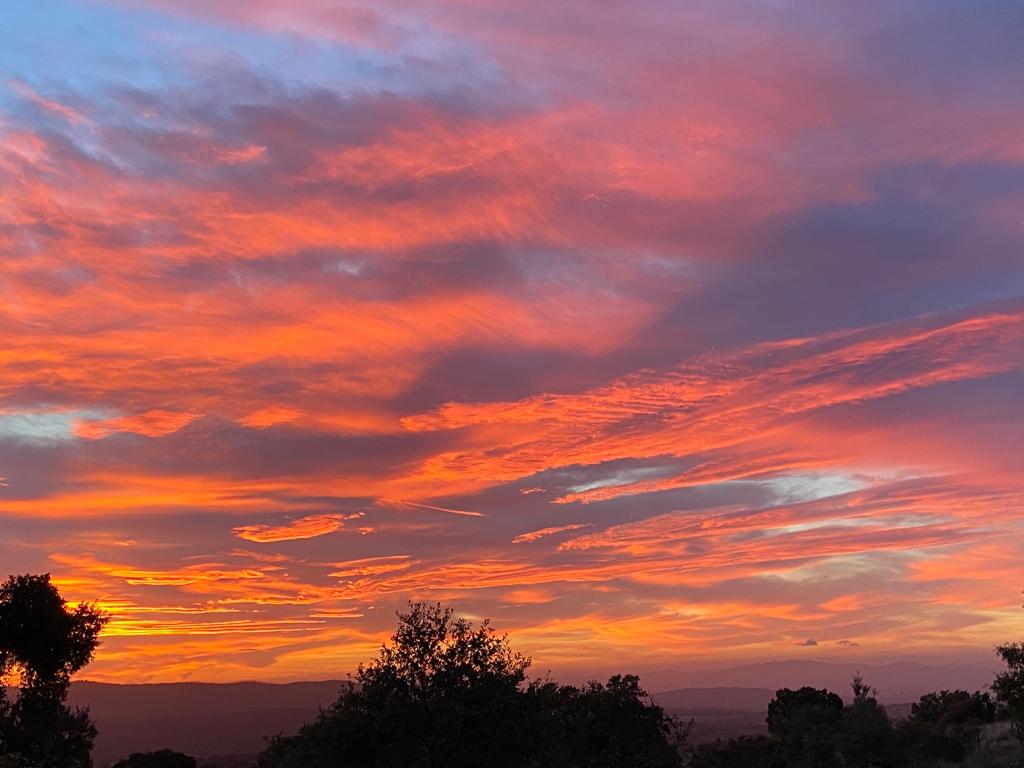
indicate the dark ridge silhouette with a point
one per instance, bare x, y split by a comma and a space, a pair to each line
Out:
899, 681
161, 699
712, 699
201, 719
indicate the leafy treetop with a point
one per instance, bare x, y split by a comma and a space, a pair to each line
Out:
40, 637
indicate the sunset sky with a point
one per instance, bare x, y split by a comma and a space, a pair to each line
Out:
663, 333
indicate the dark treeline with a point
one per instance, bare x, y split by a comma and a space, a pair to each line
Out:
447, 694
810, 728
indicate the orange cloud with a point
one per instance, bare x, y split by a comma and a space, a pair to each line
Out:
304, 528
270, 416
151, 423
531, 536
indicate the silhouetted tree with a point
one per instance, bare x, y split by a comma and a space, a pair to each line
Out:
442, 694
806, 723
599, 726
43, 643
866, 734
948, 725
164, 758
811, 728
1009, 686
446, 694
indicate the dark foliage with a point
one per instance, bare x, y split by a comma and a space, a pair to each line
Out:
164, 758
442, 694
445, 693
947, 725
44, 643
599, 726
1009, 686
39, 636
805, 724
744, 752
866, 736
813, 729
39, 730
955, 711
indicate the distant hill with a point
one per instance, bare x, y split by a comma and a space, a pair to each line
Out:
159, 699
698, 699
718, 713
201, 719
896, 682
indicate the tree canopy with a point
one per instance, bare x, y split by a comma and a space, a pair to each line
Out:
1009, 686
43, 643
865, 731
812, 728
805, 723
